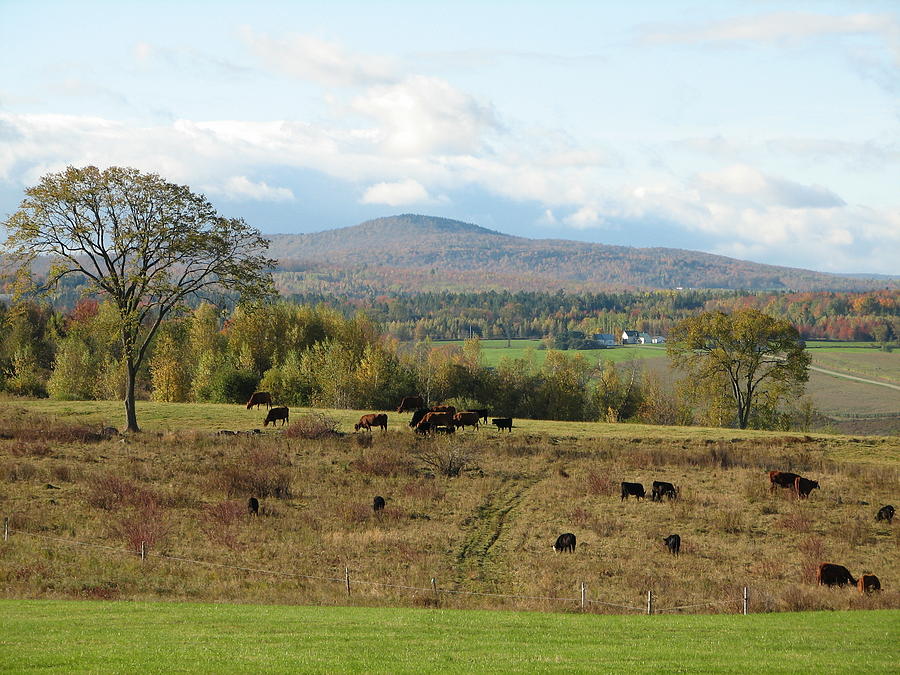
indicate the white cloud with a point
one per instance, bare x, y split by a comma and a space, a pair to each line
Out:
777, 27
422, 115
317, 60
746, 182
396, 194
242, 188
585, 217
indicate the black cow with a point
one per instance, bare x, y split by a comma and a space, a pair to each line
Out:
783, 479
502, 423
565, 542
259, 398
410, 403
885, 513
803, 486
868, 583
632, 489
482, 413
673, 543
275, 414
253, 506
378, 503
830, 574
662, 489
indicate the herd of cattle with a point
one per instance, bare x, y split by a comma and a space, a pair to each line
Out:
446, 419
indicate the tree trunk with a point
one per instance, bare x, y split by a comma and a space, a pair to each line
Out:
130, 411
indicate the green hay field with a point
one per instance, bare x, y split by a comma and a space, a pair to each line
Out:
50, 636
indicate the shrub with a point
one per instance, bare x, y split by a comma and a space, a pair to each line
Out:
30, 450
259, 473
731, 521
600, 485
855, 531
16, 471
384, 463
312, 426
229, 385
447, 459
110, 492
144, 525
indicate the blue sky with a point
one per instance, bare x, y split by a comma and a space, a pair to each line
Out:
768, 131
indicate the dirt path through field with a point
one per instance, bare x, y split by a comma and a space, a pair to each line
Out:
476, 559
835, 373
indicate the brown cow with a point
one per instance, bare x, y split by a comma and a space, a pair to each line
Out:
803, 486
280, 413
868, 583
433, 420
373, 420
830, 574
410, 403
466, 419
258, 398
784, 479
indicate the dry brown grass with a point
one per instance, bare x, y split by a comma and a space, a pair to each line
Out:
488, 528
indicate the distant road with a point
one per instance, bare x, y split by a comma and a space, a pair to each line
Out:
854, 377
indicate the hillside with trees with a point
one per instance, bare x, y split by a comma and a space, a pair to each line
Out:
415, 253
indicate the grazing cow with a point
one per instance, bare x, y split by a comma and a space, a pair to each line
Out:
803, 486
662, 489
436, 419
378, 504
418, 416
410, 403
482, 414
259, 398
502, 423
373, 420
868, 583
469, 418
629, 489
885, 513
673, 543
783, 479
280, 413
565, 542
253, 506
444, 408
830, 574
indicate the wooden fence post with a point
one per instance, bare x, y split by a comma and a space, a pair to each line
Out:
347, 577
746, 600
6, 529
582, 595
649, 602
434, 587
142, 550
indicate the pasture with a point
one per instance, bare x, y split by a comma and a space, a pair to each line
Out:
167, 637
80, 507
493, 351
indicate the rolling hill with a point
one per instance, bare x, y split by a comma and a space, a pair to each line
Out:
428, 253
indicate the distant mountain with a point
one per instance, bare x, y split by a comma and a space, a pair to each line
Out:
415, 252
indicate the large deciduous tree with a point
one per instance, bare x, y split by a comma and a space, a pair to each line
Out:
756, 356
142, 242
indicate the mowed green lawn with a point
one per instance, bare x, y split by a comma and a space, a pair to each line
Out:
67, 636
493, 351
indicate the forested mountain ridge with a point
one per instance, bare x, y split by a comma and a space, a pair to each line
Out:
424, 253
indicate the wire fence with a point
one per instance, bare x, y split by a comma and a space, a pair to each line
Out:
349, 582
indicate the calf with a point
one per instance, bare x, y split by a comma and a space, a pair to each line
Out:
373, 420
253, 506
280, 413
565, 542
803, 486
673, 543
868, 583
662, 489
632, 489
378, 504
885, 513
783, 479
830, 574
502, 423
259, 398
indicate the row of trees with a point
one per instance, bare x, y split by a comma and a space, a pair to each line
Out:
873, 315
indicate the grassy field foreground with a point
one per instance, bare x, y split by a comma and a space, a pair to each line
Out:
141, 636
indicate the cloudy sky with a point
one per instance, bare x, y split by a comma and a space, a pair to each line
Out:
768, 131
